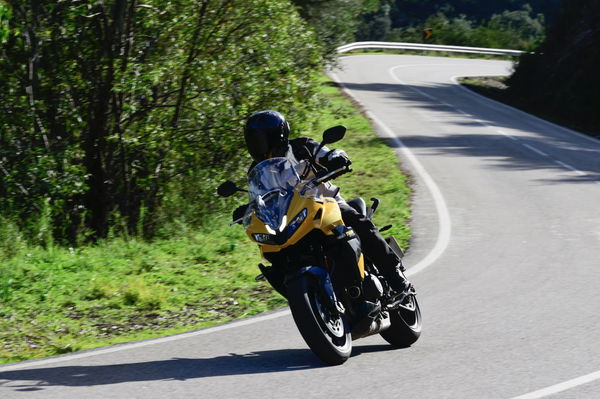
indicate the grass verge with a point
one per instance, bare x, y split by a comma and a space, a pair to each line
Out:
57, 300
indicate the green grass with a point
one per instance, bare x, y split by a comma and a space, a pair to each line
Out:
56, 300
60, 300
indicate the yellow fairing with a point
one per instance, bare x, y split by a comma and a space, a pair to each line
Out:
328, 218
322, 213
361, 266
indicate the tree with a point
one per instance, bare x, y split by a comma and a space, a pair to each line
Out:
516, 29
118, 112
335, 21
375, 26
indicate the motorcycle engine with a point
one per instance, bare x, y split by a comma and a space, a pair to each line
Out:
372, 288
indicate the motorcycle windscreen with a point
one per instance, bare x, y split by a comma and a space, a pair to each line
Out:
272, 209
270, 186
272, 174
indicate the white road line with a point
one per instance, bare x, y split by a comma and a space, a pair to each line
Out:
444, 221
141, 344
507, 135
563, 386
566, 166
576, 381
454, 79
540, 152
538, 119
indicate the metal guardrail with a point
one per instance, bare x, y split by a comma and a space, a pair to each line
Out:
425, 47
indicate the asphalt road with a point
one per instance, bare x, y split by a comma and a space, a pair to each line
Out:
505, 255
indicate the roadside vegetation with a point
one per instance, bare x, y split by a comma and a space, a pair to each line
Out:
508, 24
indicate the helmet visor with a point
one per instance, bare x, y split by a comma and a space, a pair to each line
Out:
258, 146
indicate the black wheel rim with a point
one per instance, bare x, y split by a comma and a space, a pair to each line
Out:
332, 323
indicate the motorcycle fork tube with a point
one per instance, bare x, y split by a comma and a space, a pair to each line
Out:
323, 280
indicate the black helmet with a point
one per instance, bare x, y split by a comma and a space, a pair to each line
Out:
266, 134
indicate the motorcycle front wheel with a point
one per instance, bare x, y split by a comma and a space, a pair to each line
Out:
324, 330
406, 323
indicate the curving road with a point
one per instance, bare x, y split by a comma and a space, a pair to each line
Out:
505, 257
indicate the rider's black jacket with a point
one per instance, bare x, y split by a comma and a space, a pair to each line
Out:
304, 147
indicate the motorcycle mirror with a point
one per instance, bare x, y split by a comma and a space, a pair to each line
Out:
227, 189
333, 134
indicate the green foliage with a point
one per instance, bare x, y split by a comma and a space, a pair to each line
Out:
416, 12
52, 299
5, 14
110, 108
487, 25
335, 21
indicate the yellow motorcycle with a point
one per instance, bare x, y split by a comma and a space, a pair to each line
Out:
335, 293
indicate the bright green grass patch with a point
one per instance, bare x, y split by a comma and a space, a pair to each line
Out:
58, 300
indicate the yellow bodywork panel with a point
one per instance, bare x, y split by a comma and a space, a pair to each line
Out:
322, 214
330, 217
361, 266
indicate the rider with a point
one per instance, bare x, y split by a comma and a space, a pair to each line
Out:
266, 134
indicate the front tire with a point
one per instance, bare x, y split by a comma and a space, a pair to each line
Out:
406, 324
326, 332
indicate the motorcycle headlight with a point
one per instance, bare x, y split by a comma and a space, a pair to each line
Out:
296, 222
264, 238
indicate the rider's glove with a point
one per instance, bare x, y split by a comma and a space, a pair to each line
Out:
335, 159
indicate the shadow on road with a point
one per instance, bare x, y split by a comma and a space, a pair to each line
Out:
501, 151
274, 361
172, 369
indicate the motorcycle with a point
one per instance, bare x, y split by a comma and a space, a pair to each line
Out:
335, 293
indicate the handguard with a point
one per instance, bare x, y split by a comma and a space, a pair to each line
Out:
335, 159
238, 214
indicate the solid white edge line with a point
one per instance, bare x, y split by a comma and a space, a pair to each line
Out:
567, 166
532, 148
148, 342
454, 79
444, 221
563, 386
575, 382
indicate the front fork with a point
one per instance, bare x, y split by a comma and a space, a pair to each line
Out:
324, 281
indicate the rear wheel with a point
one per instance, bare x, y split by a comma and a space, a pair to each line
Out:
324, 330
406, 323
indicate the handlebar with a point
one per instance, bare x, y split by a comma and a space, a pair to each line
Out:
330, 175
